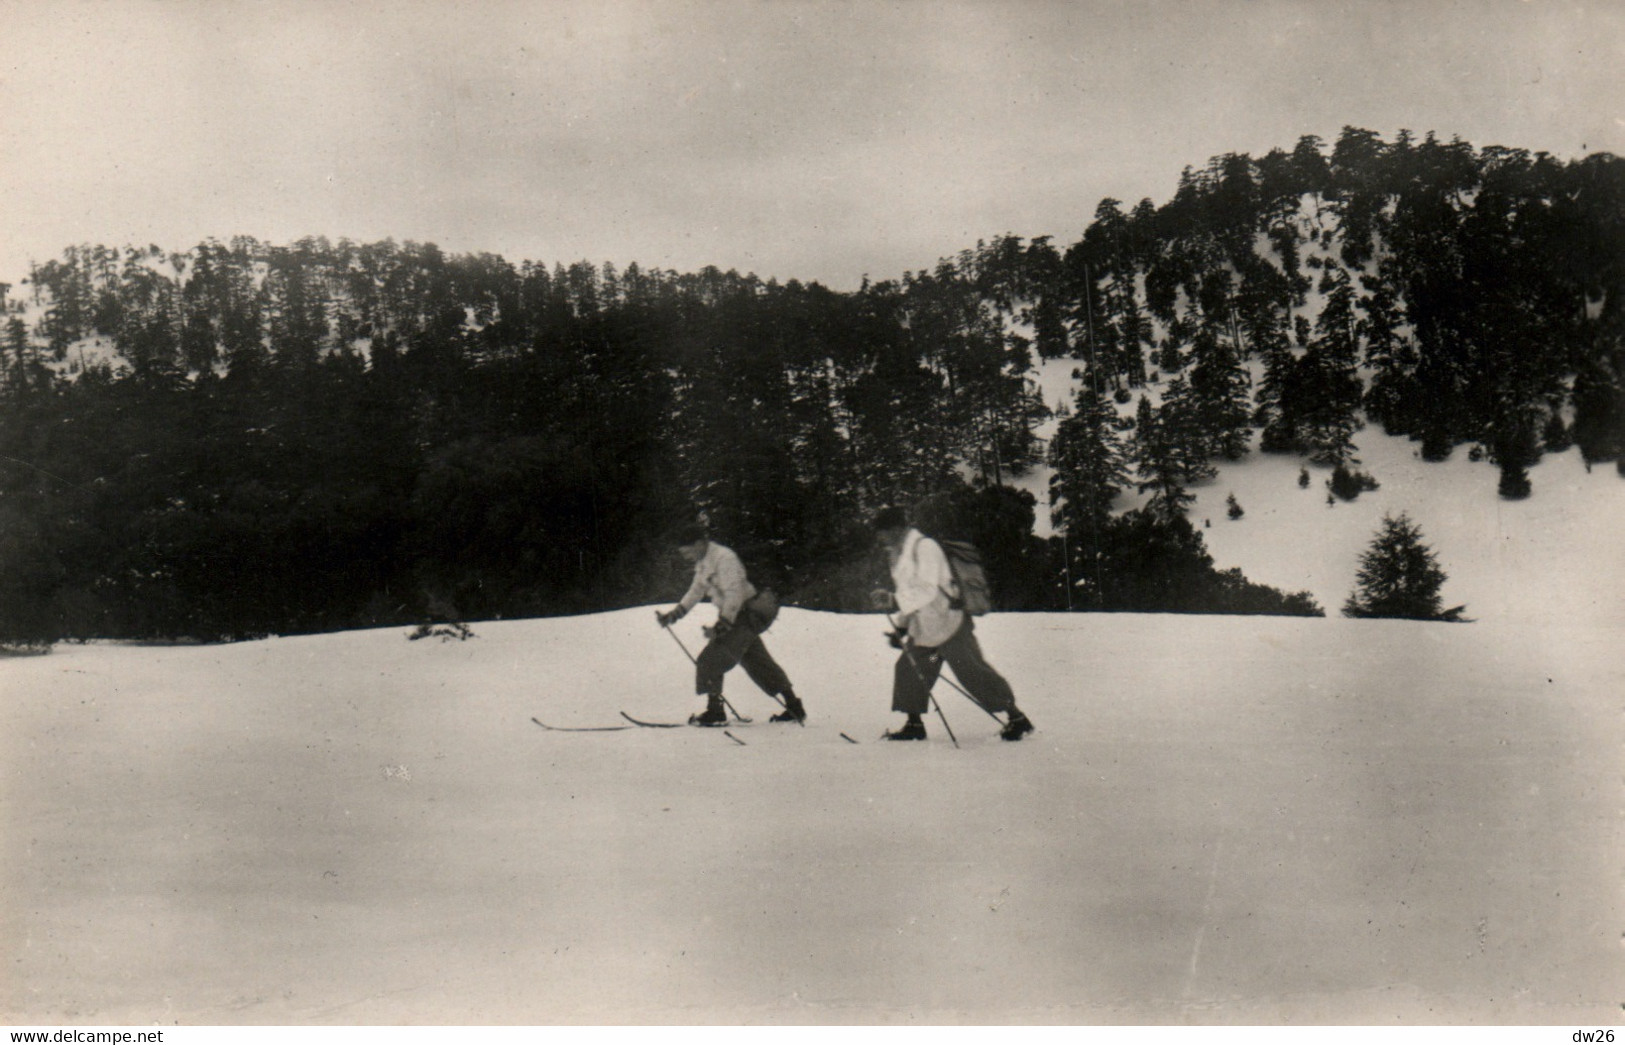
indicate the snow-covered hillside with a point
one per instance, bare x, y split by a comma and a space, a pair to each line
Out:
1219, 820
1554, 557
1557, 556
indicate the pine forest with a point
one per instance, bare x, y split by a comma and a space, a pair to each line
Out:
241, 438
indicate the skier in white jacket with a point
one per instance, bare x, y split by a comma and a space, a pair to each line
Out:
743, 613
932, 631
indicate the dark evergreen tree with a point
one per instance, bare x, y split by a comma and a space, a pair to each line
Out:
1391, 398
1357, 165
1326, 388
1514, 450
1045, 283
23, 372
1399, 576
1168, 451
1221, 398
1124, 334
1090, 468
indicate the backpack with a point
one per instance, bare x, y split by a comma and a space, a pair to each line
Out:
965, 562
764, 606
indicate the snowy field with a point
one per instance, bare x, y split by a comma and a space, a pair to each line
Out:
1219, 820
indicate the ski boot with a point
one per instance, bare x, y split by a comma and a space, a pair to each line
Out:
793, 710
913, 729
1018, 726
713, 715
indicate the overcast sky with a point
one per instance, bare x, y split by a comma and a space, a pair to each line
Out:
810, 140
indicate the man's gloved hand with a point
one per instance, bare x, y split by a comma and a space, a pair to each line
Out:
717, 630
897, 638
671, 616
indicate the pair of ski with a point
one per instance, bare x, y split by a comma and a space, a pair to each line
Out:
633, 723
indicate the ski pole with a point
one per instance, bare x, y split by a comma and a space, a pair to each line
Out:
691, 660
944, 718
931, 696
909, 655
962, 690
680, 644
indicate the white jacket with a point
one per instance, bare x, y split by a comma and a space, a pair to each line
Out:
923, 583
720, 577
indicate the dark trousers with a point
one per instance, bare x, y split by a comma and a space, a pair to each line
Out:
740, 644
919, 667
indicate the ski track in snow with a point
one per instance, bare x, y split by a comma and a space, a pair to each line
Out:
1207, 907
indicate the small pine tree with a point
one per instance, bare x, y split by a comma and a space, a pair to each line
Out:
1557, 437
1514, 484
1399, 577
1436, 443
1234, 510
1515, 450
1349, 483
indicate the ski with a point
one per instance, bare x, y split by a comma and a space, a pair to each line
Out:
652, 725
848, 739
733, 738
676, 725
577, 729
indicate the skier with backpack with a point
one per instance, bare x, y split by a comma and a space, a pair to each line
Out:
935, 605
743, 613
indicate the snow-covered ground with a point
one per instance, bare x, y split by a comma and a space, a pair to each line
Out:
1219, 820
